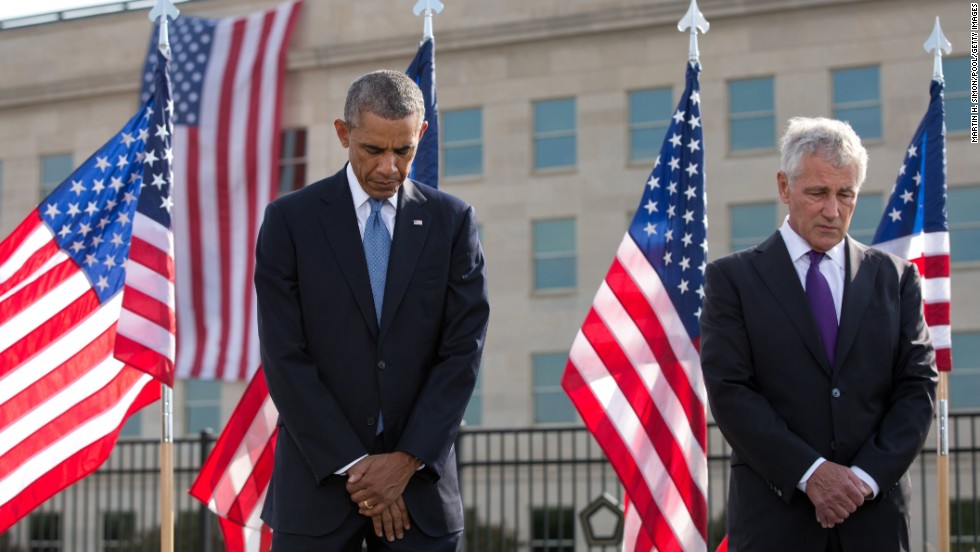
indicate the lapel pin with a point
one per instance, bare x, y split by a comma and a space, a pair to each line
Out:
417, 222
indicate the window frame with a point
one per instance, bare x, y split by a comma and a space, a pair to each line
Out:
448, 147
537, 137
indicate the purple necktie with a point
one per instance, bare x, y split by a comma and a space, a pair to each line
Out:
822, 304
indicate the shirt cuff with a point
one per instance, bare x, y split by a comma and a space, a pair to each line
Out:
343, 470
806, 476
867, 479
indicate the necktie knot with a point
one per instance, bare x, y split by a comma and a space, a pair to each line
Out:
815, 257
376, 205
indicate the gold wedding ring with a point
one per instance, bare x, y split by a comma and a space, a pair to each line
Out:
366, 505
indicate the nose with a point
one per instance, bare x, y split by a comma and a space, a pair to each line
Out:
830, 208
388, 165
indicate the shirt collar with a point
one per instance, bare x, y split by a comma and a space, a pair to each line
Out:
798, 247
358, 193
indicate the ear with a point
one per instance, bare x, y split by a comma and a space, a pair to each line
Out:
343, 132
425, 125
782, 182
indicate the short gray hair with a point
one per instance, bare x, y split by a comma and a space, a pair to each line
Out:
388, 94
835, 141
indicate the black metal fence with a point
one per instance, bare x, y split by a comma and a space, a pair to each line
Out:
535, 489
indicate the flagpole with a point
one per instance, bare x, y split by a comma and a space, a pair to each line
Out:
936, 44
428, 7
160, 12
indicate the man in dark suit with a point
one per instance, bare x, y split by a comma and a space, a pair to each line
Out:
818, 365
372, 305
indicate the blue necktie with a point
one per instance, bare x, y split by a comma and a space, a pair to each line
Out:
822, 304
377, 247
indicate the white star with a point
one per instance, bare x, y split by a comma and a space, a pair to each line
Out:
77, 187
700, 291
116, 183
688, 216
650, 229
672, 188
77, 246
656, 162
692, 169
907, 196
84, 228
116, 239
687, 239
149, 112
158, 181
703, 265
704, 245
679, 116
128, 198
682, 286
102, 283
901, 170
98, 185
917, 178
695, 122
676, 140
896, 215
51, 210
651, 207
669, 236
109, 261
122, 162
103, 222
694, 145
162, 131
685, 263
670, 211
101, 163
97, 240
167, 203
123, 218
143, 135
697, 313
696, 97
65, 231
912, 152
127, 139
653, 183
667, 258
73, 209
111, 204
150, 158
91, 208
690, 192
675, 163
90, 259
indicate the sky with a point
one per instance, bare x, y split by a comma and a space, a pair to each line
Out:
10, 9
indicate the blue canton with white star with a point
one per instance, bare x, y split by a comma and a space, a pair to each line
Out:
191, 39
92, 212
670, 225
918, 200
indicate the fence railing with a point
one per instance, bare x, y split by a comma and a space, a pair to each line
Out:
535, 489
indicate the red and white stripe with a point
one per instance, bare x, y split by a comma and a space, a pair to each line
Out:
235, 478
929, 251
225, 173
635, 376
63, 397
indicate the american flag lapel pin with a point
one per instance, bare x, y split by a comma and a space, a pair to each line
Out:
416, 222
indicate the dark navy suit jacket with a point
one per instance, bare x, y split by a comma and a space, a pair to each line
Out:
781, 404
330, 367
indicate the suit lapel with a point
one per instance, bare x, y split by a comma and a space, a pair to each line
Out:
859, 277
411, 228
773, 264
339, 225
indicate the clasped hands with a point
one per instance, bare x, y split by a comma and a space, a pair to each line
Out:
836, 493
376, 484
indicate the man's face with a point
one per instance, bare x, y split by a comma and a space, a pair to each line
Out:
380, 150
821, 201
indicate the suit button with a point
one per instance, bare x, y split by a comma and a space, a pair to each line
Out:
370, 420
381, 365
835, 393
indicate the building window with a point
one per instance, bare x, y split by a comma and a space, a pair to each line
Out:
54, 170
964, 380
553, 529
45, 532
203, 405
751, 224
963, 207
867, 216
462, 142
751, 115
857, 100
551, 404
956, 72
474, 410
119, 531
554, 134
292, 160
554, 254
650, 114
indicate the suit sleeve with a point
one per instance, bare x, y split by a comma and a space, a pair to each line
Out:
434, 421
888, 453
306, 406
756, 432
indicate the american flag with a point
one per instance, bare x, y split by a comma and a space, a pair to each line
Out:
914, 223
227, 76
423, 71
633, 371
235, 478
85, 276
